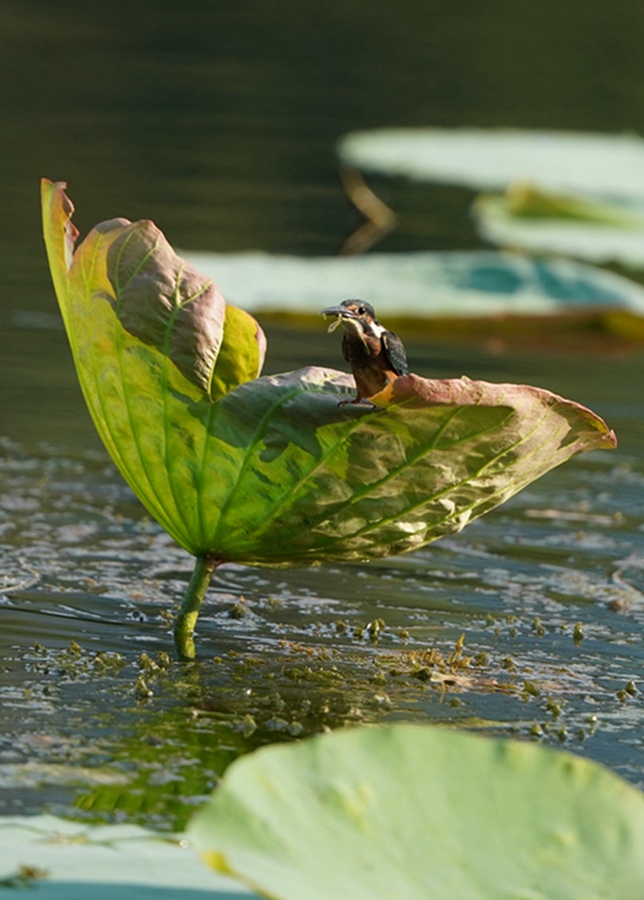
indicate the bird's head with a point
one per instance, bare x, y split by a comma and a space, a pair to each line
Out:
355, 316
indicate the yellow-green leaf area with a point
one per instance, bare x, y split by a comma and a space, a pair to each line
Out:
242, 351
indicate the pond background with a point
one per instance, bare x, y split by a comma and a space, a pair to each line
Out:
218, 122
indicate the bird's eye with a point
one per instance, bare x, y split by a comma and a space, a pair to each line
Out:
361, 310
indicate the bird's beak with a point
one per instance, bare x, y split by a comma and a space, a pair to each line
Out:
338, 311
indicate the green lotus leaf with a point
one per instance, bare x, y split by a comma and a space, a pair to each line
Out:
275, 471
301, 480
149, 337
415, 812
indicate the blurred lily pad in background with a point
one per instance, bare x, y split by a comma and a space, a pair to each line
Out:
440, 292
535, 220
491, 159
421, 284
579, 194
416, 812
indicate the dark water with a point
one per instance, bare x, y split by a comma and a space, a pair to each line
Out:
219, 122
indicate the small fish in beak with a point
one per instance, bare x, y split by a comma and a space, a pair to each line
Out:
338, 312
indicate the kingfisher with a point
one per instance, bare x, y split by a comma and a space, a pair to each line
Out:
376, 356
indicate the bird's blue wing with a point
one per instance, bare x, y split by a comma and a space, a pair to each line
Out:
395, 350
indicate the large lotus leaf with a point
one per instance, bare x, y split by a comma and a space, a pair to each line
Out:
490, 159
424, 284
275, 472
417, 812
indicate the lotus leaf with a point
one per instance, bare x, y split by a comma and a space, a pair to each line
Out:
273, 471
414, 812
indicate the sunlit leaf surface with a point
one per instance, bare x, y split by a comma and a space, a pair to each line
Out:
415, 812
275, 471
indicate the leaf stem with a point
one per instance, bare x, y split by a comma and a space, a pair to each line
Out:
189, 612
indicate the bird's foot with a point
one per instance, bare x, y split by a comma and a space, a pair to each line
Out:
356, 402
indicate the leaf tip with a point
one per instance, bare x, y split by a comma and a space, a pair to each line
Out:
610, 439
607, 437
57, 216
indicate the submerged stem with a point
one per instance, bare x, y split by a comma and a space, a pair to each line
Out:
189, 612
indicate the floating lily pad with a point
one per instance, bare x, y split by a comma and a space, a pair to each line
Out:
416, 812
422, 284
491, 159
554, 224
55, 859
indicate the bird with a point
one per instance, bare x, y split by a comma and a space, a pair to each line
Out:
376, 356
